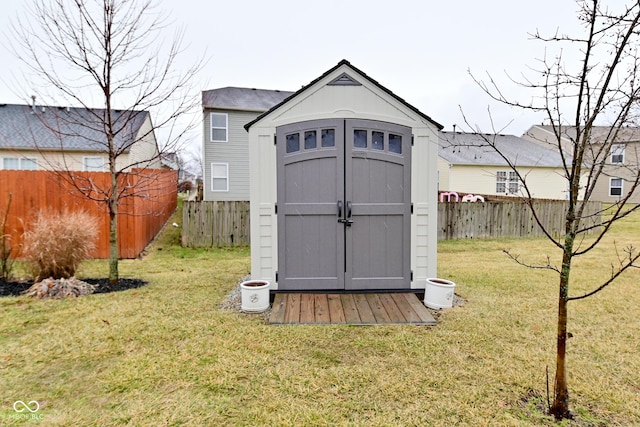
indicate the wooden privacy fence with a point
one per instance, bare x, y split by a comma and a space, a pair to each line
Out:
148, 203
210, 224
505, 219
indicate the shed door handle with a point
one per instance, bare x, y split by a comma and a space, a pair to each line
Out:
349, 209
339, 207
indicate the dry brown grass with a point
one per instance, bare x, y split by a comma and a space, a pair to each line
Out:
57, 242
167, 355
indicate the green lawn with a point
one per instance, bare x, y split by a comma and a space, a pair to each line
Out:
166, 355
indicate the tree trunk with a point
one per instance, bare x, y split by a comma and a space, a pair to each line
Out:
113, 232
560, 407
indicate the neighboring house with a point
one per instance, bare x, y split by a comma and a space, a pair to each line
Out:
622, 160
466, 164
225, 142
174, 162
60, 138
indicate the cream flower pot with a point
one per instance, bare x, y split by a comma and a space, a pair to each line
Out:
439, 293
254, 295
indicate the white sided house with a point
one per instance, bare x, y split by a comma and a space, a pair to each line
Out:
467, 164
343, 188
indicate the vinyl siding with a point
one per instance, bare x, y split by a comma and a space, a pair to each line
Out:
544, 183
626, 171
234, 152
601, 190
55, 160
145, 151
443, 175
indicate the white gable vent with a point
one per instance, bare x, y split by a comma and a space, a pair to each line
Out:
344, 79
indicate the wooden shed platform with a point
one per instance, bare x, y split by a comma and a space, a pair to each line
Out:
359, 308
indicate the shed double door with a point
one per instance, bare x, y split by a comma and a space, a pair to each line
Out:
344, 205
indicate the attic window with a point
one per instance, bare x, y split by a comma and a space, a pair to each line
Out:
344, 79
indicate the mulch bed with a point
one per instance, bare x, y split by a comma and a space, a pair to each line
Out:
15, 288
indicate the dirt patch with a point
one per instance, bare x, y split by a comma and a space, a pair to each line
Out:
535, 405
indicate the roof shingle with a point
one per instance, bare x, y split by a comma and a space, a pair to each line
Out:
472, 149
242, 98
61, 128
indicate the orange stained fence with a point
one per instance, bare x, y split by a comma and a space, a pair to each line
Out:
149, 197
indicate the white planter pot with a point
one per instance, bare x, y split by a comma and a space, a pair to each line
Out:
254, 295
439, 293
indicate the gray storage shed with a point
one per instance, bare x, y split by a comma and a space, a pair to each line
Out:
343, 178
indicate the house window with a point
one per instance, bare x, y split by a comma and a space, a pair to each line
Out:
219, 177
514, 183
22, 163
501, 182
93, 164
615, 187
219, 127
617, 153
507, 182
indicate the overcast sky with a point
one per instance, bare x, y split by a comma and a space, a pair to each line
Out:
421, 49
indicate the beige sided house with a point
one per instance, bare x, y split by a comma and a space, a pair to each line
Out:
225, 143
622, 160
60, 138
467, 165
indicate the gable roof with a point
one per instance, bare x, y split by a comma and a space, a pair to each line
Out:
61, 128
242, 98
341, 63
459, 148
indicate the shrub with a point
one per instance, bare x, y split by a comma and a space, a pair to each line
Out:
185, 187
57, 242
6, 262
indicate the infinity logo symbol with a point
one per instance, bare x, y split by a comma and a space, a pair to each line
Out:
25, 406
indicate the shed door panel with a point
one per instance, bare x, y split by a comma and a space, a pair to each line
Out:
310, 171
377, 183
344, 205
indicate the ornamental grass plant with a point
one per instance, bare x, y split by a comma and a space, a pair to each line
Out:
55, 243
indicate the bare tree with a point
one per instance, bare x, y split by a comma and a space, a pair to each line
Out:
592, 107
193, 162
107, 54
